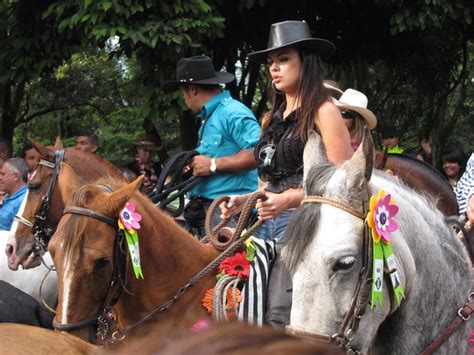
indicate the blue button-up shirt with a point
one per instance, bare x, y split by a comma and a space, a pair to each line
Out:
10, 207
227, 127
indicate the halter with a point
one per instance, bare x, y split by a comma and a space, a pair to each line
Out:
43, 235
360, 298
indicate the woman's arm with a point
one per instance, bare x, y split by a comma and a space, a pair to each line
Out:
334, 133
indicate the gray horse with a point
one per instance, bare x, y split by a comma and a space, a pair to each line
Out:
324, 253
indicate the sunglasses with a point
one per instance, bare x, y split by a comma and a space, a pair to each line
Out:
348, 114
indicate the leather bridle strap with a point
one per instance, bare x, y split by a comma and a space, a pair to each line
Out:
338, 204
93, 214
463, 315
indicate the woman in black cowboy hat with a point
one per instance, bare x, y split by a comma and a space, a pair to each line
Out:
300, 104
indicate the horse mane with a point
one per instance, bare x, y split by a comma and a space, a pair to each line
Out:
303, 223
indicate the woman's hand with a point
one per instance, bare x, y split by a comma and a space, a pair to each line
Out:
235, 204
278, 203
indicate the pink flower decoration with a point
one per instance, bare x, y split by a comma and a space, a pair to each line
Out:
380, 217
129, 217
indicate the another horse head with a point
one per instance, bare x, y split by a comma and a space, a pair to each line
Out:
84, 250
87, 166
326, 252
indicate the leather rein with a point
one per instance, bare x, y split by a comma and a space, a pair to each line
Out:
360, 299
107, 332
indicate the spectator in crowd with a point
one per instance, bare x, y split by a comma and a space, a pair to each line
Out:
464, 190
87, 143
353, 107
5, 154
453, 164
143, 164
31, 157
227, 136
13, 177
391, 140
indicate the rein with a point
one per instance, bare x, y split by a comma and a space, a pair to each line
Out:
350, 322
106, 317
173, 179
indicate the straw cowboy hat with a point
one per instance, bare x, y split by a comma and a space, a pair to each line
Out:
148, 141
196, 70
356, 101
292, 34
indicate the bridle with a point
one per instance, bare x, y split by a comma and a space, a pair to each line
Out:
107, 332
360, 299
41, 234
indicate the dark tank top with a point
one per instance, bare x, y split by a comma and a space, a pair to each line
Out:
279, 153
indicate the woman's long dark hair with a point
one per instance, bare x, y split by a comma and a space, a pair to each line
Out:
311, 93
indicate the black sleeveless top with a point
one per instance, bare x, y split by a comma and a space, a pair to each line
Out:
279, 153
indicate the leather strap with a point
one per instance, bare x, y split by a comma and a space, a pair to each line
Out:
339, 204
93, 214
463, 315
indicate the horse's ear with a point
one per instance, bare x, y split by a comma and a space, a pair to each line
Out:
314, 153
46, 153
362, 162
68, 183
119, 198
58, 144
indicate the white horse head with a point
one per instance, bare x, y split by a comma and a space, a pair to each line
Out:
324, 252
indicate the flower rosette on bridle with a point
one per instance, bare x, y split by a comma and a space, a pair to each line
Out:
128, 222
381, 223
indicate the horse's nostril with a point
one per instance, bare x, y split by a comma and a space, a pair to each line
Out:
9, 249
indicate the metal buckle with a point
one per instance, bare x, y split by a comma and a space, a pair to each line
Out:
462, 316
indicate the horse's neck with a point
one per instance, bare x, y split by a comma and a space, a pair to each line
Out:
170, 258
436, 270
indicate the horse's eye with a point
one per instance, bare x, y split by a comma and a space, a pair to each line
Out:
34, 187
344, 263
101, 263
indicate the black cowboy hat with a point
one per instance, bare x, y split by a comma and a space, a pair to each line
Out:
148, 141
292, 34
196, 70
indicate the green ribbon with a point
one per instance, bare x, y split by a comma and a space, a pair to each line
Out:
377, 275
131, 237
383, 253
392, 267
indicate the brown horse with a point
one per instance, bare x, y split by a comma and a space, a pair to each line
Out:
421, 177
25, 339
86, 250
88, 167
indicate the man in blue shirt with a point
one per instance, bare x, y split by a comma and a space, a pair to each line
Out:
226, 137
13, 176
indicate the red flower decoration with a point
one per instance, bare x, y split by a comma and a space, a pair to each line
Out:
236, 265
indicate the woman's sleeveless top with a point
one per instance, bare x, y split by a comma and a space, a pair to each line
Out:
279, 153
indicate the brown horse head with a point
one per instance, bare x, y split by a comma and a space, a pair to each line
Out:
87, 166
87, 252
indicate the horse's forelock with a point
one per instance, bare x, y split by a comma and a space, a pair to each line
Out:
318, 178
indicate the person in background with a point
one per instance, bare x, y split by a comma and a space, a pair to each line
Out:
31, 157
87, 143
13, 177
143, 164
453, 164
226, 137
391, 140
5, 154
353, 107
